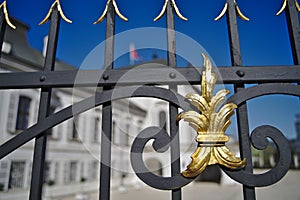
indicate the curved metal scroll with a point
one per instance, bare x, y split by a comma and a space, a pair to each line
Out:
259, 140
260, 134
161, 144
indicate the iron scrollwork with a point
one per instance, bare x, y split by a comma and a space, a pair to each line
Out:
162, 140
259, 138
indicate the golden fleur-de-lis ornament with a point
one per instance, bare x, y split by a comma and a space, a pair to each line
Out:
210, 123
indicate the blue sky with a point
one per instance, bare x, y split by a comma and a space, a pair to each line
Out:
264, 39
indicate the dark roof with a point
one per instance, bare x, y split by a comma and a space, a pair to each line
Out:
22, 52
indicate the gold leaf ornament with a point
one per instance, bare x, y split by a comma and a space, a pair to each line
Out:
210, 123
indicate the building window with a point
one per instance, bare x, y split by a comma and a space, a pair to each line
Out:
114, 132
94, 167
73, 170
17, 173
47, 172
23, 113
73, 129
96, 129
74, 132
70, 171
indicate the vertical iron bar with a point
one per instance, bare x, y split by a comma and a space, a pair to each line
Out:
2, 28
37, 178
105, 165
294, 30
173, 110
242, 115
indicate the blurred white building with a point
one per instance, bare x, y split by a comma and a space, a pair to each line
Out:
73, 150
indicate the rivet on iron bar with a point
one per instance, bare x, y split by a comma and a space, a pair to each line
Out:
240, 73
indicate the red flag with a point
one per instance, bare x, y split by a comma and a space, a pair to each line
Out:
133, 54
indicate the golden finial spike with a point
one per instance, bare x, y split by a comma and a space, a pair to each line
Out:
282, 7
210, 123
47, 18
101, 18
118, 12
5, 11
222, 13
239, 13
177, 11
163, 10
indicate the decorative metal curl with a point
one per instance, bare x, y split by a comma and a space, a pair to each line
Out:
259, 138
47, 18
5, 11
161, 144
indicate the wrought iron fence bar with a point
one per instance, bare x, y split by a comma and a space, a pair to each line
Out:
294, 30
156, 75
39, 157
241, 111
173, 110
106, 134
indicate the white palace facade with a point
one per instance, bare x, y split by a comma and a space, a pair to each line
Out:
73, 150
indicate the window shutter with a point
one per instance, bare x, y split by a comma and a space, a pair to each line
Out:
92, 133
12, 113
67, 172
56, 132
81, 127
34, 114
70, 129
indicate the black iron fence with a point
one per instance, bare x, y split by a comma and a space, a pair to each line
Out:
270, 80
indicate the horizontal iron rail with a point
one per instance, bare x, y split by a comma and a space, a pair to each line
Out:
162, 75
